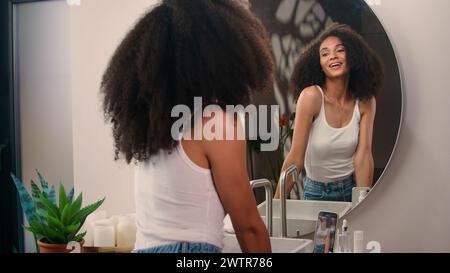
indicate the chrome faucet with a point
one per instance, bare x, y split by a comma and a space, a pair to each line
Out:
269, 196
284, 175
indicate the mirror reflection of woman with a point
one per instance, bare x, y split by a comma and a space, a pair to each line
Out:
322, 238
337, 78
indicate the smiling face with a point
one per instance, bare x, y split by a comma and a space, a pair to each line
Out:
333, 58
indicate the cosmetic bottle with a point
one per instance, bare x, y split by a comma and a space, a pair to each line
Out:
358, 241
337, 247
344, 241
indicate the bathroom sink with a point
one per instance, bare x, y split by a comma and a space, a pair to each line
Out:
295, 227
301, 216
305, 209
304, 227
279, 245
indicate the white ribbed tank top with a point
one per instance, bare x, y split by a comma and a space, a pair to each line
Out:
176, 201
329, 154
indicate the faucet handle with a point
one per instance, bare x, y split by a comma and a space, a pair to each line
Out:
269, 196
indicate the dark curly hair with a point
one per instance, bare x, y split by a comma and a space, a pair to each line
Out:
366, 68
179, 50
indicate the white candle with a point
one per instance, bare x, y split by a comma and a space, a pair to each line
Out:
104, 236
89, 227
89, 237
104, 233
126, 232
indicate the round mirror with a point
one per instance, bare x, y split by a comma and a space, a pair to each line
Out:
293, 24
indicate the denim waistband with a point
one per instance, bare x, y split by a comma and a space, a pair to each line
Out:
348, 178
340, 190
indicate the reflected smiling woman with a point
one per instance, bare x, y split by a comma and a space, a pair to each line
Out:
337, 77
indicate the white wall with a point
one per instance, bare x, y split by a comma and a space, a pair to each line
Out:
408, 209
97, 27
44, 88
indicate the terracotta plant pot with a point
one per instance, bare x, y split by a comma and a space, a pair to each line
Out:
53, 248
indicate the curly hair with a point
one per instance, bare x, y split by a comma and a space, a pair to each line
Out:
179, 50
366, 68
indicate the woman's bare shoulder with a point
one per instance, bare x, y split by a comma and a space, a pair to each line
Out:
310, 98
368, 106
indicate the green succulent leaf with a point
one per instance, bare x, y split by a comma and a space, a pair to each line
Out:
41, 214
34, 230
81, 215
70, 195
47, 231
44, 183
66, 213
72, 228
41, 210
52, 195
76, 206
51, 208
37, 226
26, 201
62, 196
55, 223
79, 237
54, 236
35, 191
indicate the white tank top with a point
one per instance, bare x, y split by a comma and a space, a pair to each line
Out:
321, 235
176, 201
329, 154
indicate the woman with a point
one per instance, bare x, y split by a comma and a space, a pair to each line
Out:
181, 49
322, 237
337, 76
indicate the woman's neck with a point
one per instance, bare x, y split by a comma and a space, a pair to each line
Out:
337, 89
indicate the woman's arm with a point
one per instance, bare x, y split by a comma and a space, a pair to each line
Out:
327, 243
227, 159
363, 158
308, 106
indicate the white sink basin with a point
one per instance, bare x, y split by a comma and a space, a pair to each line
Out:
301, 214
303, 227
279, 245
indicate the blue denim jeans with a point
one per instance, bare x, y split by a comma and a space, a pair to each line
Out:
182, 247
319, 249
332, 191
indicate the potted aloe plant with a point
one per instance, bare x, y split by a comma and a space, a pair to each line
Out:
53, 224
